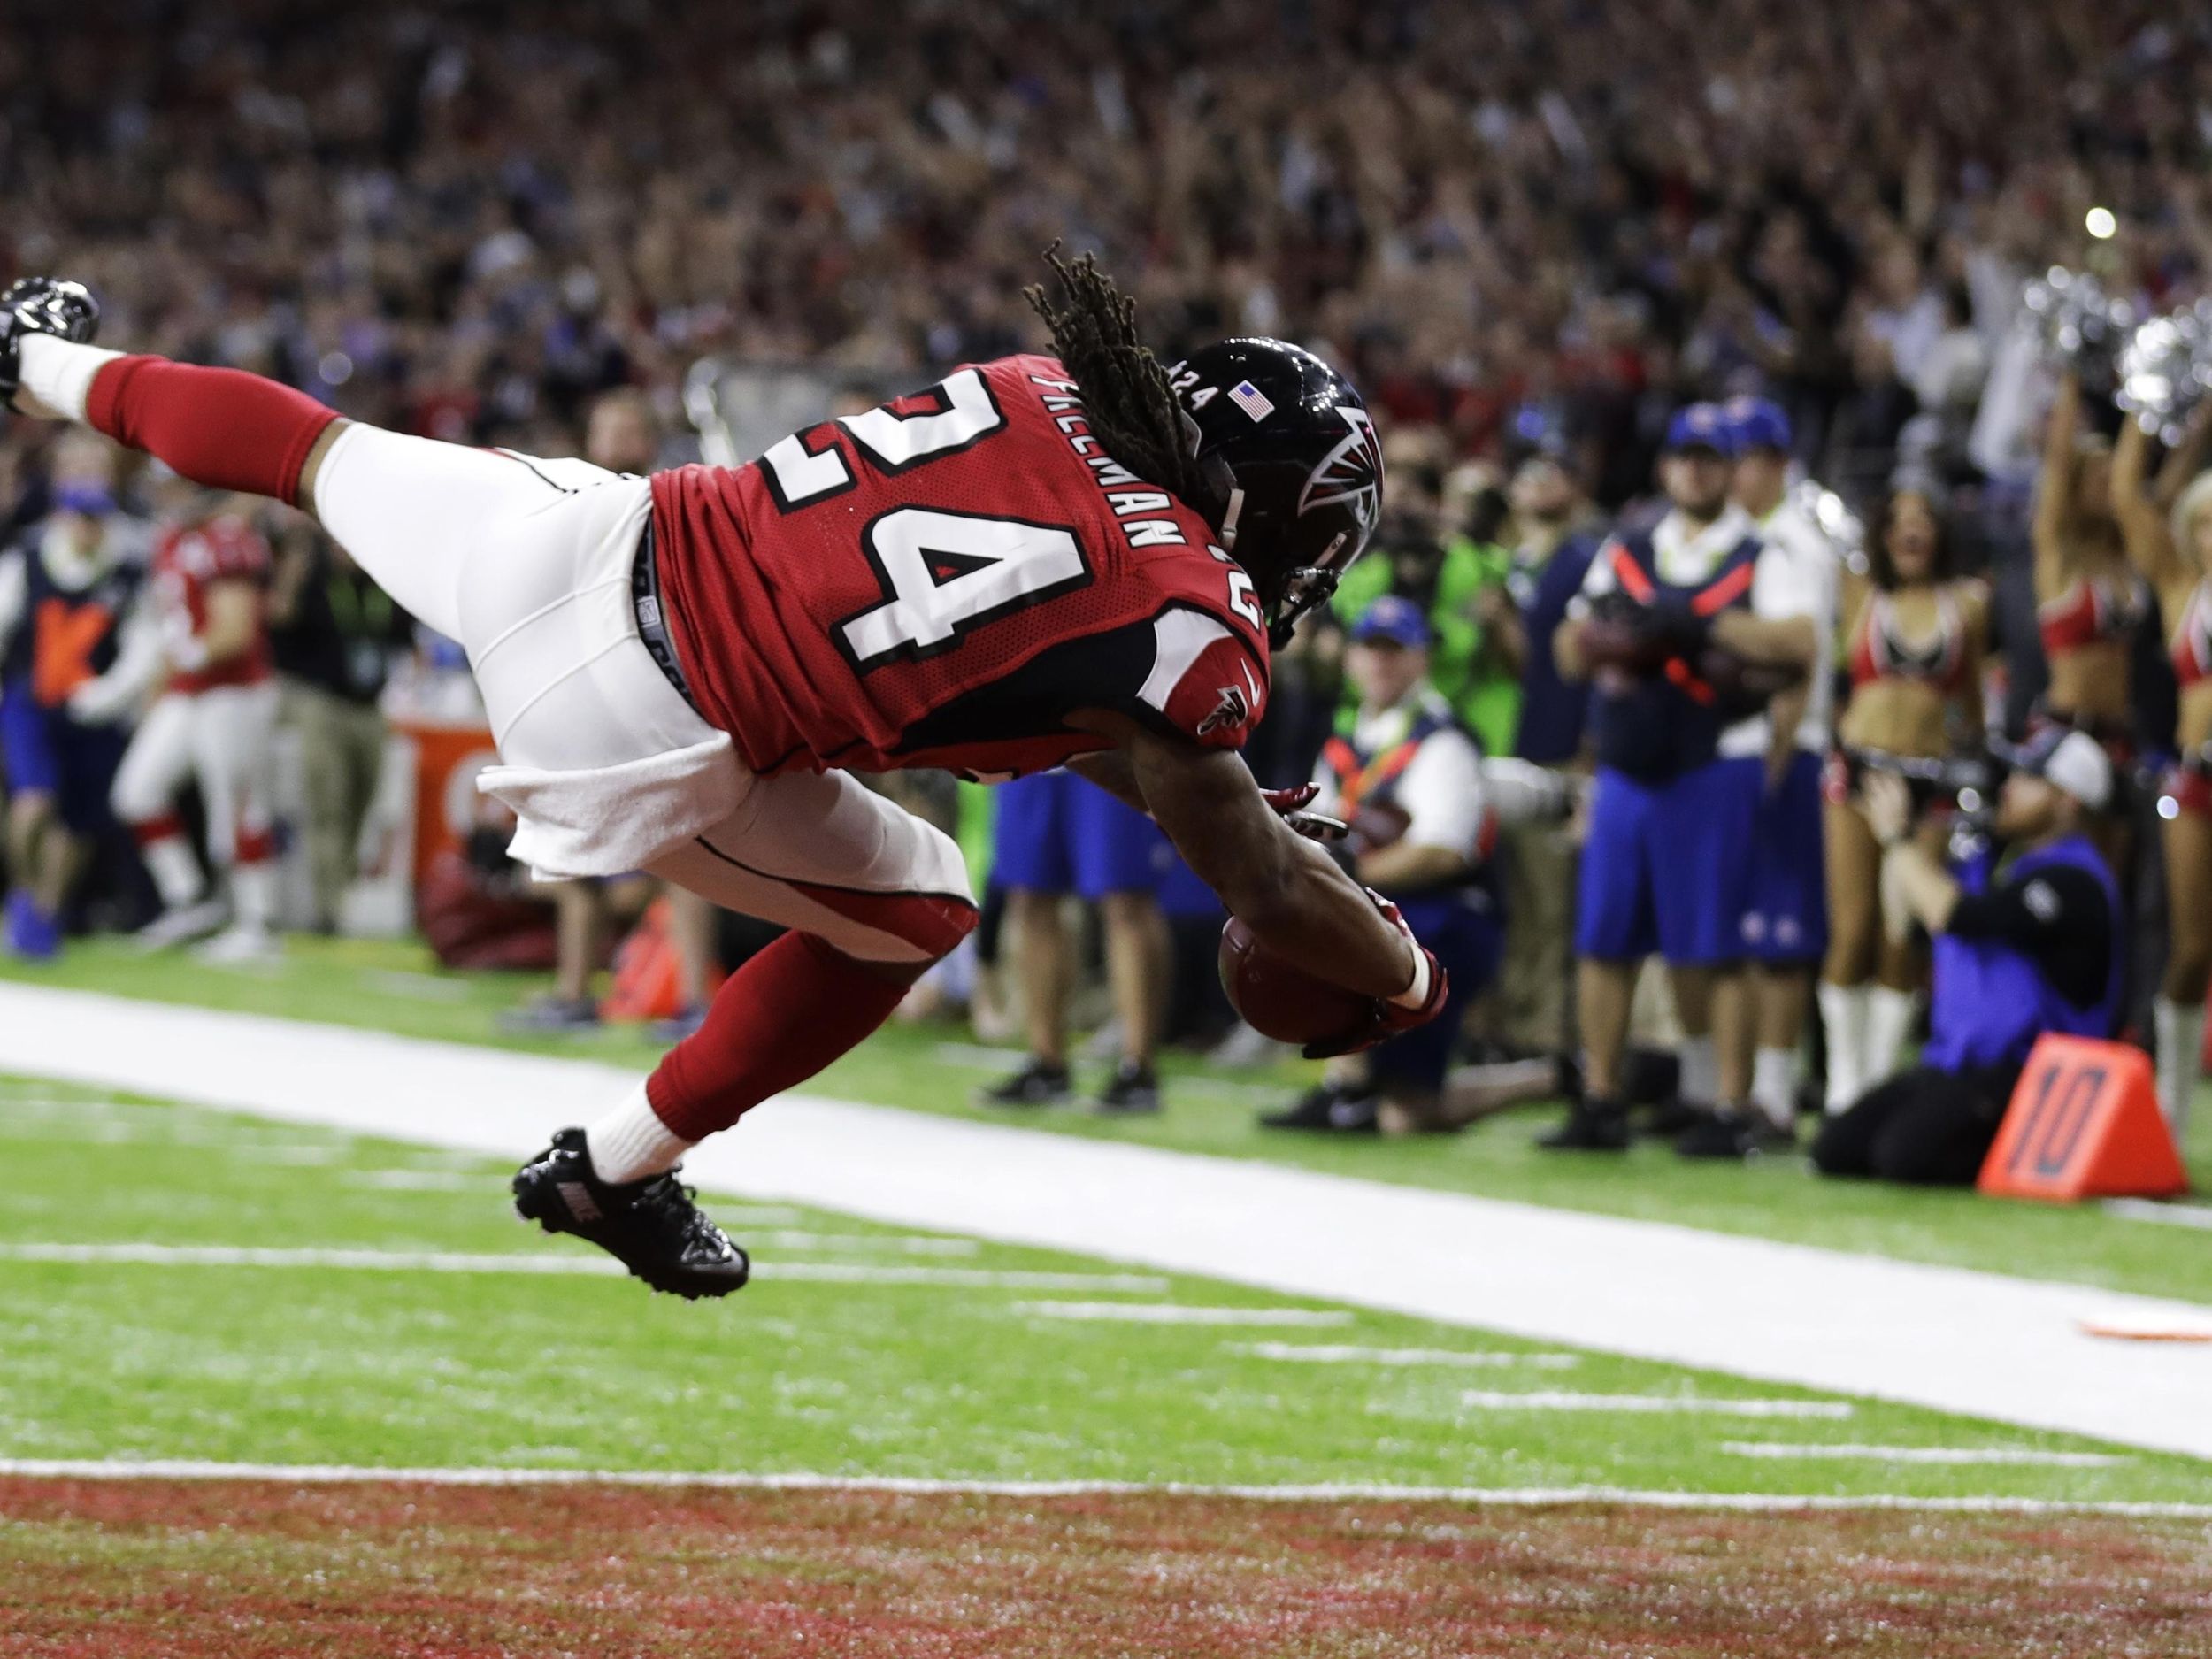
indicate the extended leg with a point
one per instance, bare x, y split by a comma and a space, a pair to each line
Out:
144, 798
232, 728
873, 895
409, 510
2179, 1009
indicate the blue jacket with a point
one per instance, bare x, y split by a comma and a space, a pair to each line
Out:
1991, 1001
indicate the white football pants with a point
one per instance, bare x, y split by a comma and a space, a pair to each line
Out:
526, 564
224, 737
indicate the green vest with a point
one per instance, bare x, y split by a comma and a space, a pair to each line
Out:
1482, 690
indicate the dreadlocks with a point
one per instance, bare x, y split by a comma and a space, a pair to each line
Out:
1130, 408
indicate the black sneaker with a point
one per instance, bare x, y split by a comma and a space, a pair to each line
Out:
1733, 1134
1590, 1125
41, 305
1328, 1107
1132, 1091
650, 1226
1664, 1119
1039, 1083
551, 1015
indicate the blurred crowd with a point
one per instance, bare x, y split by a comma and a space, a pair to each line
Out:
1534, 235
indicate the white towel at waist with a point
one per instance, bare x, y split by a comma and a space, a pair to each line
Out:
608, 819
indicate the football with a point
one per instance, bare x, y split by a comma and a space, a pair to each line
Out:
1279, 999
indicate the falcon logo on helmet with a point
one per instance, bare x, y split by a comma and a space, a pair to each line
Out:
1291, 451
1352, 472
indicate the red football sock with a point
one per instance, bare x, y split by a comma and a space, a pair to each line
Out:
220, 427
776, 1022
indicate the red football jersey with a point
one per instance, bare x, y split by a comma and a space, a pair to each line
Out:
187, 560
942, 580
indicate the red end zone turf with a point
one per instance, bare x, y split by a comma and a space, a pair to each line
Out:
105, 1570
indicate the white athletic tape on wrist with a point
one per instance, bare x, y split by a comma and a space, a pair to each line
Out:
1417, 992
59, 373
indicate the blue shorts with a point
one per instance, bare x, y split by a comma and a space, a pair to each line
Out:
1468, 942
1057, 832
46, 752
1667, 867
1182, 894
1786, 919
26, 741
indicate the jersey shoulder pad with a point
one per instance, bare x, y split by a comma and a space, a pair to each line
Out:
1208, 681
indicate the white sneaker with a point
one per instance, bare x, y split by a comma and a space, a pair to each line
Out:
239, 946
182, 923
1245, 1046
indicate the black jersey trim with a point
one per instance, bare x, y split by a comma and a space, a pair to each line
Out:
832, 886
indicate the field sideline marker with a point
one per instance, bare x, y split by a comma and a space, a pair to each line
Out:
1180, 1313
1755, 1502
1386, 1358
592, 1266
1946, 1455
1686, 1405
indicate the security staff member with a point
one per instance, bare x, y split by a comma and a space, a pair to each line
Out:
65, 595
1667, 865
1410, 780
2035, 948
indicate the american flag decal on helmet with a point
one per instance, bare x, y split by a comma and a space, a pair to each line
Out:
1251, 400
1352, 472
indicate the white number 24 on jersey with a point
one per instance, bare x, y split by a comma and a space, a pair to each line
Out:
948, 571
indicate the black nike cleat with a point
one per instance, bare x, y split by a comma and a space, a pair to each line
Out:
41, 305
650, 1226
1590, 1125
1039, 1083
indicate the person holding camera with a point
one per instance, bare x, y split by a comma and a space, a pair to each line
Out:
1917, 639
2021, 947
1685, 630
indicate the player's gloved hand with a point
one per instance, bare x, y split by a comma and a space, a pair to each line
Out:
41, 305
1388, 1017
1290, 806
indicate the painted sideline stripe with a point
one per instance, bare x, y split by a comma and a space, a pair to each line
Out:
1688, 1405
1987, 1345
1944, 1455
2152, 1210
1344, 1354
1180, 1313
1756, 1502
595, 1266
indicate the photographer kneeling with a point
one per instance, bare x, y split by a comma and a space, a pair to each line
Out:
2035, 948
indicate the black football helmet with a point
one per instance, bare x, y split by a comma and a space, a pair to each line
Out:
1292, 453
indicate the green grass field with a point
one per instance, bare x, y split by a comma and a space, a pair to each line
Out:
183, 1284
860, 1350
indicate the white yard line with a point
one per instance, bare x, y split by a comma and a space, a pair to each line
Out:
1945, 1455
1518, 1497
1390, 1358
1177, 1313
1661, 1405
1983, 1344
593, 1264
2152, 1210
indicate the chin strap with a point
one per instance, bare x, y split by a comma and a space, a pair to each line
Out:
1309, 586
1229, 517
